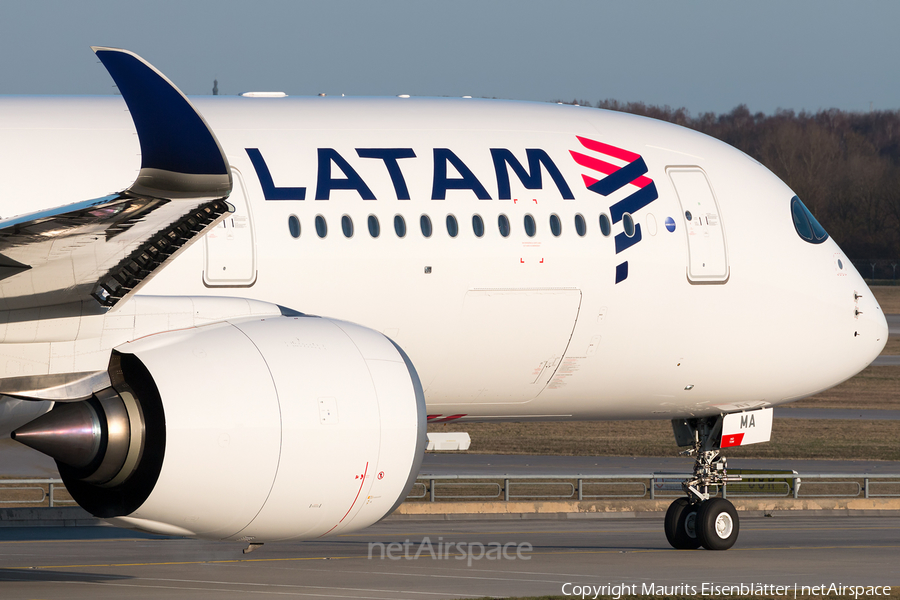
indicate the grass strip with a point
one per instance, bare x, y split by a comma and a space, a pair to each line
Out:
791, 439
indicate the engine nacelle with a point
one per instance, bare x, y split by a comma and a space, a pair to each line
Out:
258, 429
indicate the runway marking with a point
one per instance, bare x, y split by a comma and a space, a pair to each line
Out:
449, 576
186, 562
451, 533
580, 531
731, 550
65, 541
314, 587
431, 533
815, 528
270, 592
424, 557
455, 576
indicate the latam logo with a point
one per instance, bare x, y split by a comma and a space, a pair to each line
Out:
445, 162
605, 178
607, 169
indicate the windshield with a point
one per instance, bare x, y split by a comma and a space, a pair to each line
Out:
806, 224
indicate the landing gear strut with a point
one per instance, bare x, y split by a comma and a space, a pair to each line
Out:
700, 519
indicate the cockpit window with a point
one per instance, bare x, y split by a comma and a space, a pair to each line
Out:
806, 224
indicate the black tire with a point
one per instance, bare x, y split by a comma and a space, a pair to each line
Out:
679, 525
717, 524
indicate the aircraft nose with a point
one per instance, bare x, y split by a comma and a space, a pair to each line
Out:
871, 325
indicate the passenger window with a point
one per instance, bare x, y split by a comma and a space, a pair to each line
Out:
628, 223
555, 225
452, 226
347, 226
294, 226
605, 227
400, 226
478, 225
425, 224
321, 226
806, 224
580, 225
503, 225
374, 226
530, 226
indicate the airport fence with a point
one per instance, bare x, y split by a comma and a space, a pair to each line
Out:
32, 492
761, 484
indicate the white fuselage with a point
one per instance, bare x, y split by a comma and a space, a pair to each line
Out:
738, 310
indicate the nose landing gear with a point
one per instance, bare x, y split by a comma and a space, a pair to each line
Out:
699, 519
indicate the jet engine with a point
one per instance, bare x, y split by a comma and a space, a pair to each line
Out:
288, 427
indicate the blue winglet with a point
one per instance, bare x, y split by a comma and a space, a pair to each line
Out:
176, 143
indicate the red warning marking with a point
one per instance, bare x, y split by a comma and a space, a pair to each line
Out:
542, 261
433, 417
515, 200
522, 260
354, 500
448, 418
380, 474
357, 494
732, 440
535, 200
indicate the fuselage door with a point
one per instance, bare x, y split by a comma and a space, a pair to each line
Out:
231, 247
707, 253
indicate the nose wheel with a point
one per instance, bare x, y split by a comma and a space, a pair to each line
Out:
713, 524
681, 525
717, 524
699, 519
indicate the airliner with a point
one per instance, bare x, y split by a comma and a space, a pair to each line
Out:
231, 318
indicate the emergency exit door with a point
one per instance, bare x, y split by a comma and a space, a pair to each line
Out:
231, 247
707, 252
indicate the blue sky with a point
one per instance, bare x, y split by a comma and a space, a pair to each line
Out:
706, 56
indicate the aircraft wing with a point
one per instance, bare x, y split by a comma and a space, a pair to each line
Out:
99, 252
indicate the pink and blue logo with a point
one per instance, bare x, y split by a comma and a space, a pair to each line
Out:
609, 169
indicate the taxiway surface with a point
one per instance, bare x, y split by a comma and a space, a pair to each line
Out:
94, 563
